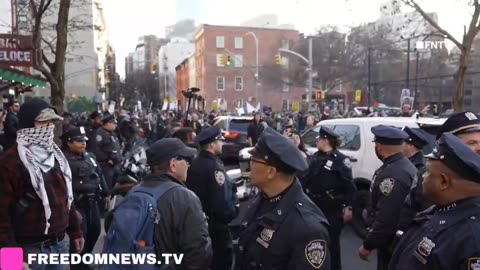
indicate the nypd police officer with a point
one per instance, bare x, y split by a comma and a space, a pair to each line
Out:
390, 186
283, 228
445, 236
107, 148
329, 184
464, 125
207, 178
413, 147
87, 182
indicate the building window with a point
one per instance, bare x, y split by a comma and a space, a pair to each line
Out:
468, 92
220, 83
238, 60
467, 102
220, 42
285, 105
219, 60
238, 83
286, 85
469, 81
238, 43
285, 44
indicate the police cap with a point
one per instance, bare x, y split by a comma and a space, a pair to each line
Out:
388, 135
108, 118
459, 123
209, 135
326, 132
278, 149
415, 137
75, 134
95, 114
166, 149
457, 156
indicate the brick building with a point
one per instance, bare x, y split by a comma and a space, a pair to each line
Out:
232, 83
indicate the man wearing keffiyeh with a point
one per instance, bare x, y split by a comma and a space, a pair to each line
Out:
36, 188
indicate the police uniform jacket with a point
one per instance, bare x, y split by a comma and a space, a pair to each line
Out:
207, 178
391, 184
442, 239
329, 180
107, 146
418, 160
292, 234
87, 176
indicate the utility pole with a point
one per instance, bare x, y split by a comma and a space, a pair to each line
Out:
369, 87
407, 82
416, 78
310, 73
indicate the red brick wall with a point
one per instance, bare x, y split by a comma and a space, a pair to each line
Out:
270, 40
182, 81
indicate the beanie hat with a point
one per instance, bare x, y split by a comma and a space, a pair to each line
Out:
30, 110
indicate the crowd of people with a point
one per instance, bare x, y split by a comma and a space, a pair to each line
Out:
424, 212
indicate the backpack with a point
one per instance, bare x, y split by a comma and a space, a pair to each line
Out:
132, 221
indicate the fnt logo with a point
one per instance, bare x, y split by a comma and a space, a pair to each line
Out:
430, 44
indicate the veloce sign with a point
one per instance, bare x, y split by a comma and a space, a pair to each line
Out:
16, 50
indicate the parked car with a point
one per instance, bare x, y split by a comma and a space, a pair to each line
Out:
358, 145
234, 129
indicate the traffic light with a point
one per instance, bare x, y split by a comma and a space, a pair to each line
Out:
278, 59
153, 68
229, 62
319, 95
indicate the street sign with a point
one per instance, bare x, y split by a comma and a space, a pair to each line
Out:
358, 96
296, 106
16, 50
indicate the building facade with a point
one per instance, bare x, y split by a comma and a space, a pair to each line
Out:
226, 67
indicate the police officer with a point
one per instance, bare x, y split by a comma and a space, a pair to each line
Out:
329, 184
413, 147
445, 236
466, 126
95, 121
88, 185
207, 178
390, 186
107, 149
283, 228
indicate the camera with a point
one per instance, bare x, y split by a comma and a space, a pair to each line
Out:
190, 92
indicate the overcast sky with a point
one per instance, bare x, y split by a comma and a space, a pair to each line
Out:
129, 19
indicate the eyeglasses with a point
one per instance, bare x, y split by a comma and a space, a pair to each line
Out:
259, 161
180, 158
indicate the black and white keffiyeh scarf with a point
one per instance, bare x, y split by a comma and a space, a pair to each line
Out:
38, 153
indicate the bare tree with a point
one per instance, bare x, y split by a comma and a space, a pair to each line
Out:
464, 46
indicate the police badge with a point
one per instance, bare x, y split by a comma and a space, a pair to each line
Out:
386, 185
315, 253
347, 163
424, 249
220, 177
265, 237
474, 263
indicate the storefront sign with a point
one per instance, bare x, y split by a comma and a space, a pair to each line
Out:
16, 50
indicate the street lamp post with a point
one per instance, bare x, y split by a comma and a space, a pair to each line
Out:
256, 65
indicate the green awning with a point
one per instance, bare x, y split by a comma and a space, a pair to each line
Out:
20, 77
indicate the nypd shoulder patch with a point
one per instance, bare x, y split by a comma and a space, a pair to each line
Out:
220, 177
99, 138
474, 263
316, 252
386, 186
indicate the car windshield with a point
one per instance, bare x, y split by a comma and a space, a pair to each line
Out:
238, 125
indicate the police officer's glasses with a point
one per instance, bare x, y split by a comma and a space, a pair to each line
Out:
258, 161
180, 158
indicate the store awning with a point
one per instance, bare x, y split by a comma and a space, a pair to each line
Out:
17, 76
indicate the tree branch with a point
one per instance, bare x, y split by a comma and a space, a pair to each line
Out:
47, 62
414, 4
